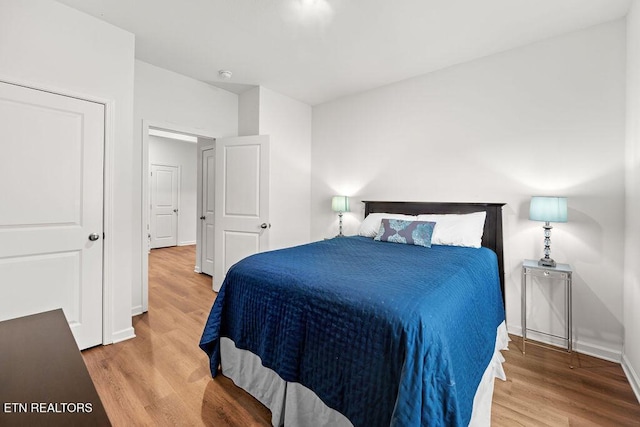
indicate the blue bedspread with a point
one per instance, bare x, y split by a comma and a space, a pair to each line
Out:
385, 333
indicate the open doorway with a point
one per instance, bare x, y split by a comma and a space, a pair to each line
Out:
172, 189
176, 199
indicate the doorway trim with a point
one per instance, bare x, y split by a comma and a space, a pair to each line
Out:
107, 203
144, 242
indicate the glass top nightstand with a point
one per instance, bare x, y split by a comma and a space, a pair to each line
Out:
561, 272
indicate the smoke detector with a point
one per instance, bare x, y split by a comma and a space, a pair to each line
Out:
225, 74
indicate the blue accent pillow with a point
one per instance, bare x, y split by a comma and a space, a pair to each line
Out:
408, 232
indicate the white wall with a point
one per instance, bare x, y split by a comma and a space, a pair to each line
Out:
46, 44
179, 102
287, 122
545, 119
631, 353
249, 112
172, 152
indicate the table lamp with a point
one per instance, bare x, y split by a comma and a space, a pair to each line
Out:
340, 204
548, 209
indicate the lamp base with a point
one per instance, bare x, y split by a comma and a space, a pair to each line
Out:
546, 262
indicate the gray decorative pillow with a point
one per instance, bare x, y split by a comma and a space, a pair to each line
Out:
408, 232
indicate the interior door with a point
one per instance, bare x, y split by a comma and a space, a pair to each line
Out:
51, 227
242, 201
164, 206
207, 218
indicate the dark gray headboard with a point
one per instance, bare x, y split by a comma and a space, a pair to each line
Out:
491, 238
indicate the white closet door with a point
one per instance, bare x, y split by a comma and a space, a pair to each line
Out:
51, 191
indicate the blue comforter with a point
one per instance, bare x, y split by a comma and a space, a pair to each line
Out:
385, 333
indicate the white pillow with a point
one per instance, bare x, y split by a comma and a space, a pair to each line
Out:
457, 230
371, 224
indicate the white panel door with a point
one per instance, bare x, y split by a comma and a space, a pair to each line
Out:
207, 218
51, 187
242, 201
164, 206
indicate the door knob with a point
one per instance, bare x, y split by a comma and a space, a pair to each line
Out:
175, 210
203, 217
94, 236
263, 225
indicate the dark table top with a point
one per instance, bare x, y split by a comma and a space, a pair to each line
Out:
43, 378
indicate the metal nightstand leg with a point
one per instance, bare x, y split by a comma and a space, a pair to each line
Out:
569, 297
523, 300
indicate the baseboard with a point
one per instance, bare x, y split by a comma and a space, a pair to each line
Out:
187, 243
137, 310
123, 335
632, 376
599, 351
196, 269
588, 348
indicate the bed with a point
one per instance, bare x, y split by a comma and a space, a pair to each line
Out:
354, 331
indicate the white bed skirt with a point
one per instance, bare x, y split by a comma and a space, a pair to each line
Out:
292, 404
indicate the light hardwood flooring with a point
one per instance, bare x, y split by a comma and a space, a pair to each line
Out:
161, 377
542, 390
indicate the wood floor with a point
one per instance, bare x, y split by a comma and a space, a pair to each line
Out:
161, 378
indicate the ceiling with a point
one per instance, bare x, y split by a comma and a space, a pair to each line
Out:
318, 50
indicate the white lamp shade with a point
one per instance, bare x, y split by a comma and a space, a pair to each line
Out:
548, 209
340, 203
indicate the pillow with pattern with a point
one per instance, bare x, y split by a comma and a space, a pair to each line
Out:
408, 232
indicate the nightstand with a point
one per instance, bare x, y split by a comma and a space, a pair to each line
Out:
559, 273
